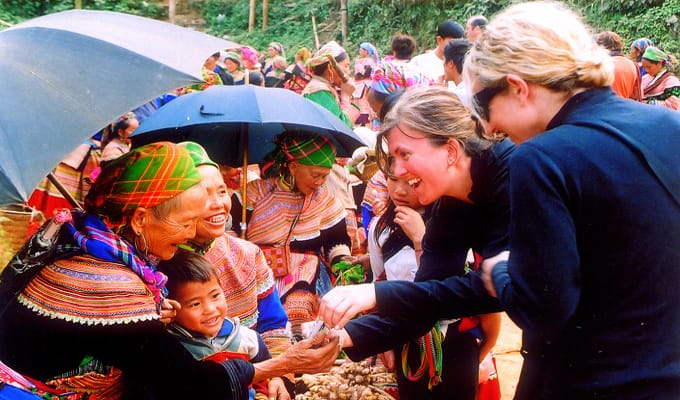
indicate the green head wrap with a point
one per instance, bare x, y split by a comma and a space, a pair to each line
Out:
654, 54
144, 177
315, 150
198, 154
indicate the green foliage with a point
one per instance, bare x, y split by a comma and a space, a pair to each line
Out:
15, 11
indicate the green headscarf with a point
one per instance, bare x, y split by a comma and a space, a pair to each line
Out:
315, 150
654, 54
144, 177
198, 154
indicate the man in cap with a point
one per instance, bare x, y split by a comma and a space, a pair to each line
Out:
431, 63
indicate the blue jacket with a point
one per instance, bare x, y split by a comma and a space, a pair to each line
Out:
594, 273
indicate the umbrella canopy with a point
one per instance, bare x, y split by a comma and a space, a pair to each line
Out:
229, 120
67, 75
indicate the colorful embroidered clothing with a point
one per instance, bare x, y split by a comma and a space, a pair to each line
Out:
249, 289
658, 89
233, 341
320, 227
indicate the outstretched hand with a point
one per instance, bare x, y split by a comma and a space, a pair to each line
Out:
314, 355
344, 302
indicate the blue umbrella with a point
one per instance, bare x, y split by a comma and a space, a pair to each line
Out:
65, 76
236, 124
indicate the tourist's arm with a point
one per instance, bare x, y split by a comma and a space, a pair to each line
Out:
539, 285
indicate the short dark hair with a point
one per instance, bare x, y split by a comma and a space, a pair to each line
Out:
455, 51
450, 29
255, 78
478, 20
403, 46
186, 267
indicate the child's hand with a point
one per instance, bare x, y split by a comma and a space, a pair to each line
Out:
277, 390
411, 222
169, 310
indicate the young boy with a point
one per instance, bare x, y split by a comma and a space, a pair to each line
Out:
202, 324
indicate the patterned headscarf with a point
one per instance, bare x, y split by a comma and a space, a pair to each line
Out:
198, 154
278, 47
641, 45
372, 51
144, 177
233, 56
313, 150
654, 54
331, 48
388, 77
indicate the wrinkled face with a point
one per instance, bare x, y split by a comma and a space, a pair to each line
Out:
308, 178
418, 163
401, 193
203, 307
163, 235
216, 211
651, 67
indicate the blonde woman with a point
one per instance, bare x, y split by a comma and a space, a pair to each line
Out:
593, 189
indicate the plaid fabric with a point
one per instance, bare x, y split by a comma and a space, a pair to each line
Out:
198, 154
317, 150
144, 177
388, 77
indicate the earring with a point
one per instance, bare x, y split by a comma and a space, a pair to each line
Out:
145, 249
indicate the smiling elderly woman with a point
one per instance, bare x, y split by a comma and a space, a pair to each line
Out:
90, 320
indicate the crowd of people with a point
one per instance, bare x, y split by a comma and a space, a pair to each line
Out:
520, 165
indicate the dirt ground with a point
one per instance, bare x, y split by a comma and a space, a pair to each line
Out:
508, 358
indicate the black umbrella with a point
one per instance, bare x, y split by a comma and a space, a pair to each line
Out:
67, 75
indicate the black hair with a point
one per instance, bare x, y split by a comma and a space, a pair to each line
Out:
388, 102
450, 29
479, 21
186, 267
112, 132
455, 51
255, 78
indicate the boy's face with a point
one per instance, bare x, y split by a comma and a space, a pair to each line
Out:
203, 307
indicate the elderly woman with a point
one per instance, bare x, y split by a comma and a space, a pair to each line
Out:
330, 69
243, 272
659, 86
593, 196
293, 210
91, 319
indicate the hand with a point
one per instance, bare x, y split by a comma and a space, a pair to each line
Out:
277, 390
387, 359
344, 302
488, 266
169, 310
411, 223
313, 355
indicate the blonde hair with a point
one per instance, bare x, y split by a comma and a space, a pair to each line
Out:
438, 114
543, 43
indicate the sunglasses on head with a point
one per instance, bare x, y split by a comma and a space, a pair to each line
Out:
483, 98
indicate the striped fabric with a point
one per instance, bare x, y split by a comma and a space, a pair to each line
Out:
244, 276
274, 209
89, 291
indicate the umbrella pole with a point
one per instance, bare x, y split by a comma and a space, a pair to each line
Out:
244, 181
67, 195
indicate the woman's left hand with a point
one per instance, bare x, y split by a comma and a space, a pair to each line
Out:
169, 310
411, 222
277, 390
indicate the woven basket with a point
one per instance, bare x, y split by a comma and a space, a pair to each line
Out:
15, 221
